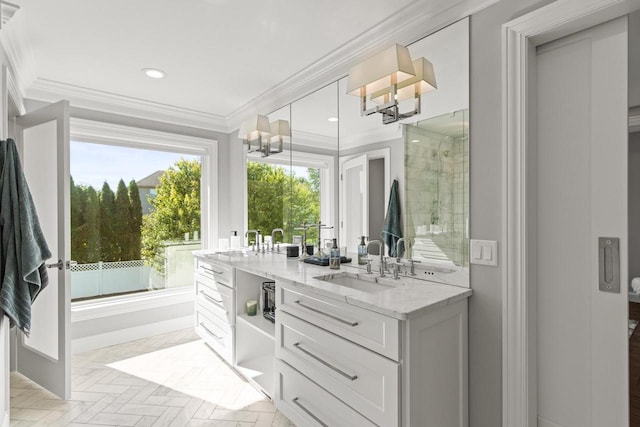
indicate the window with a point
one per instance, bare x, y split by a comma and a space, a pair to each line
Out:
137, 211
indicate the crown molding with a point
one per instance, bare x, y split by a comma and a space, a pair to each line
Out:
416, 21
51, 91
19, 56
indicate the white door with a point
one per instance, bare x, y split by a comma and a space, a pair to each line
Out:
354, 202
45, 356
580, 166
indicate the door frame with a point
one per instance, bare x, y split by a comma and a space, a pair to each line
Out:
520, 37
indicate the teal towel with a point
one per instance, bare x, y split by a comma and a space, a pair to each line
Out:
392, 230
23, 248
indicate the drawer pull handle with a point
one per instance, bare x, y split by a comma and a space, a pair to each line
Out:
210, 298
211, 270
308, 307
325, 363
296, 401
210, 331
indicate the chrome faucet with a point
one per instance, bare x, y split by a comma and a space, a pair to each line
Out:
405, 244
303, 244
273, 238
380, 244
257, 236
396, 270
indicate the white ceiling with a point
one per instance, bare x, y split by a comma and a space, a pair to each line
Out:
220, 56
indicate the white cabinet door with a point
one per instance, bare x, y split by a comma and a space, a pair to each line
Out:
45, 356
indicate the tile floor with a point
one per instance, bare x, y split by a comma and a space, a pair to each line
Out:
168, 380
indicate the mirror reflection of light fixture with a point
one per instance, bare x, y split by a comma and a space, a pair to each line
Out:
260, 135
253, 130
389, 78
280, 130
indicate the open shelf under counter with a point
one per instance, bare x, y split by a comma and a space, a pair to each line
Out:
259, 369
255, 350
258, 322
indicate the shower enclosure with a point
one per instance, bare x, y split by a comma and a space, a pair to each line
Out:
436, 213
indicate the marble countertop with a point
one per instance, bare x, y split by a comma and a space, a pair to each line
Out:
402, 299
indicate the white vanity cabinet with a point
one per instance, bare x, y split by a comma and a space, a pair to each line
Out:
215, 306
338, 364
396, 358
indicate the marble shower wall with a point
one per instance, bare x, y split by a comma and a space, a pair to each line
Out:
437, 193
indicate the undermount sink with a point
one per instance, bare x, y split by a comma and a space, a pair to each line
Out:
228, 252
361, 282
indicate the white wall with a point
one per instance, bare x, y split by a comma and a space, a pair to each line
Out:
233, 200
486, 222
634, 59
105, 331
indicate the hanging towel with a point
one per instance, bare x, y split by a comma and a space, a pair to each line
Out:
392, 231
23, 249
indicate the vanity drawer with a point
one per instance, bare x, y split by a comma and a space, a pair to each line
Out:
307, 404
217, 333
215, 297
216, 271
372, 330
362, 379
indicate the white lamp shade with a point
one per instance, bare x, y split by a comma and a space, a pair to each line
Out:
253, 127
280, 128
391, 66
423, 82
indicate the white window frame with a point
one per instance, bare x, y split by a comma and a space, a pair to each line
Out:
91, 131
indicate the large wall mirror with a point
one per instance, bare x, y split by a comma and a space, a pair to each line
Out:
428, 154
340, 165
299, 185
314, 136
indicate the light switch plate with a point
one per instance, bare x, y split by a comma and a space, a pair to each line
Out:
483, 252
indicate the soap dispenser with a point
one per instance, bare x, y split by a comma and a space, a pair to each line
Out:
362, 252
334, 257
235, 240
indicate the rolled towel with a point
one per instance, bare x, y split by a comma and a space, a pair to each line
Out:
635, 285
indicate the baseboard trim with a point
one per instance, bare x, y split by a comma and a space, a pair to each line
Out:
107, 339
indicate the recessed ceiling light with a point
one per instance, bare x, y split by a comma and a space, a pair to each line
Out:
333, 119
415, 140
154, 73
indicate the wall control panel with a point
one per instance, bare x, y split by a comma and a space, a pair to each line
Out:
483, 252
